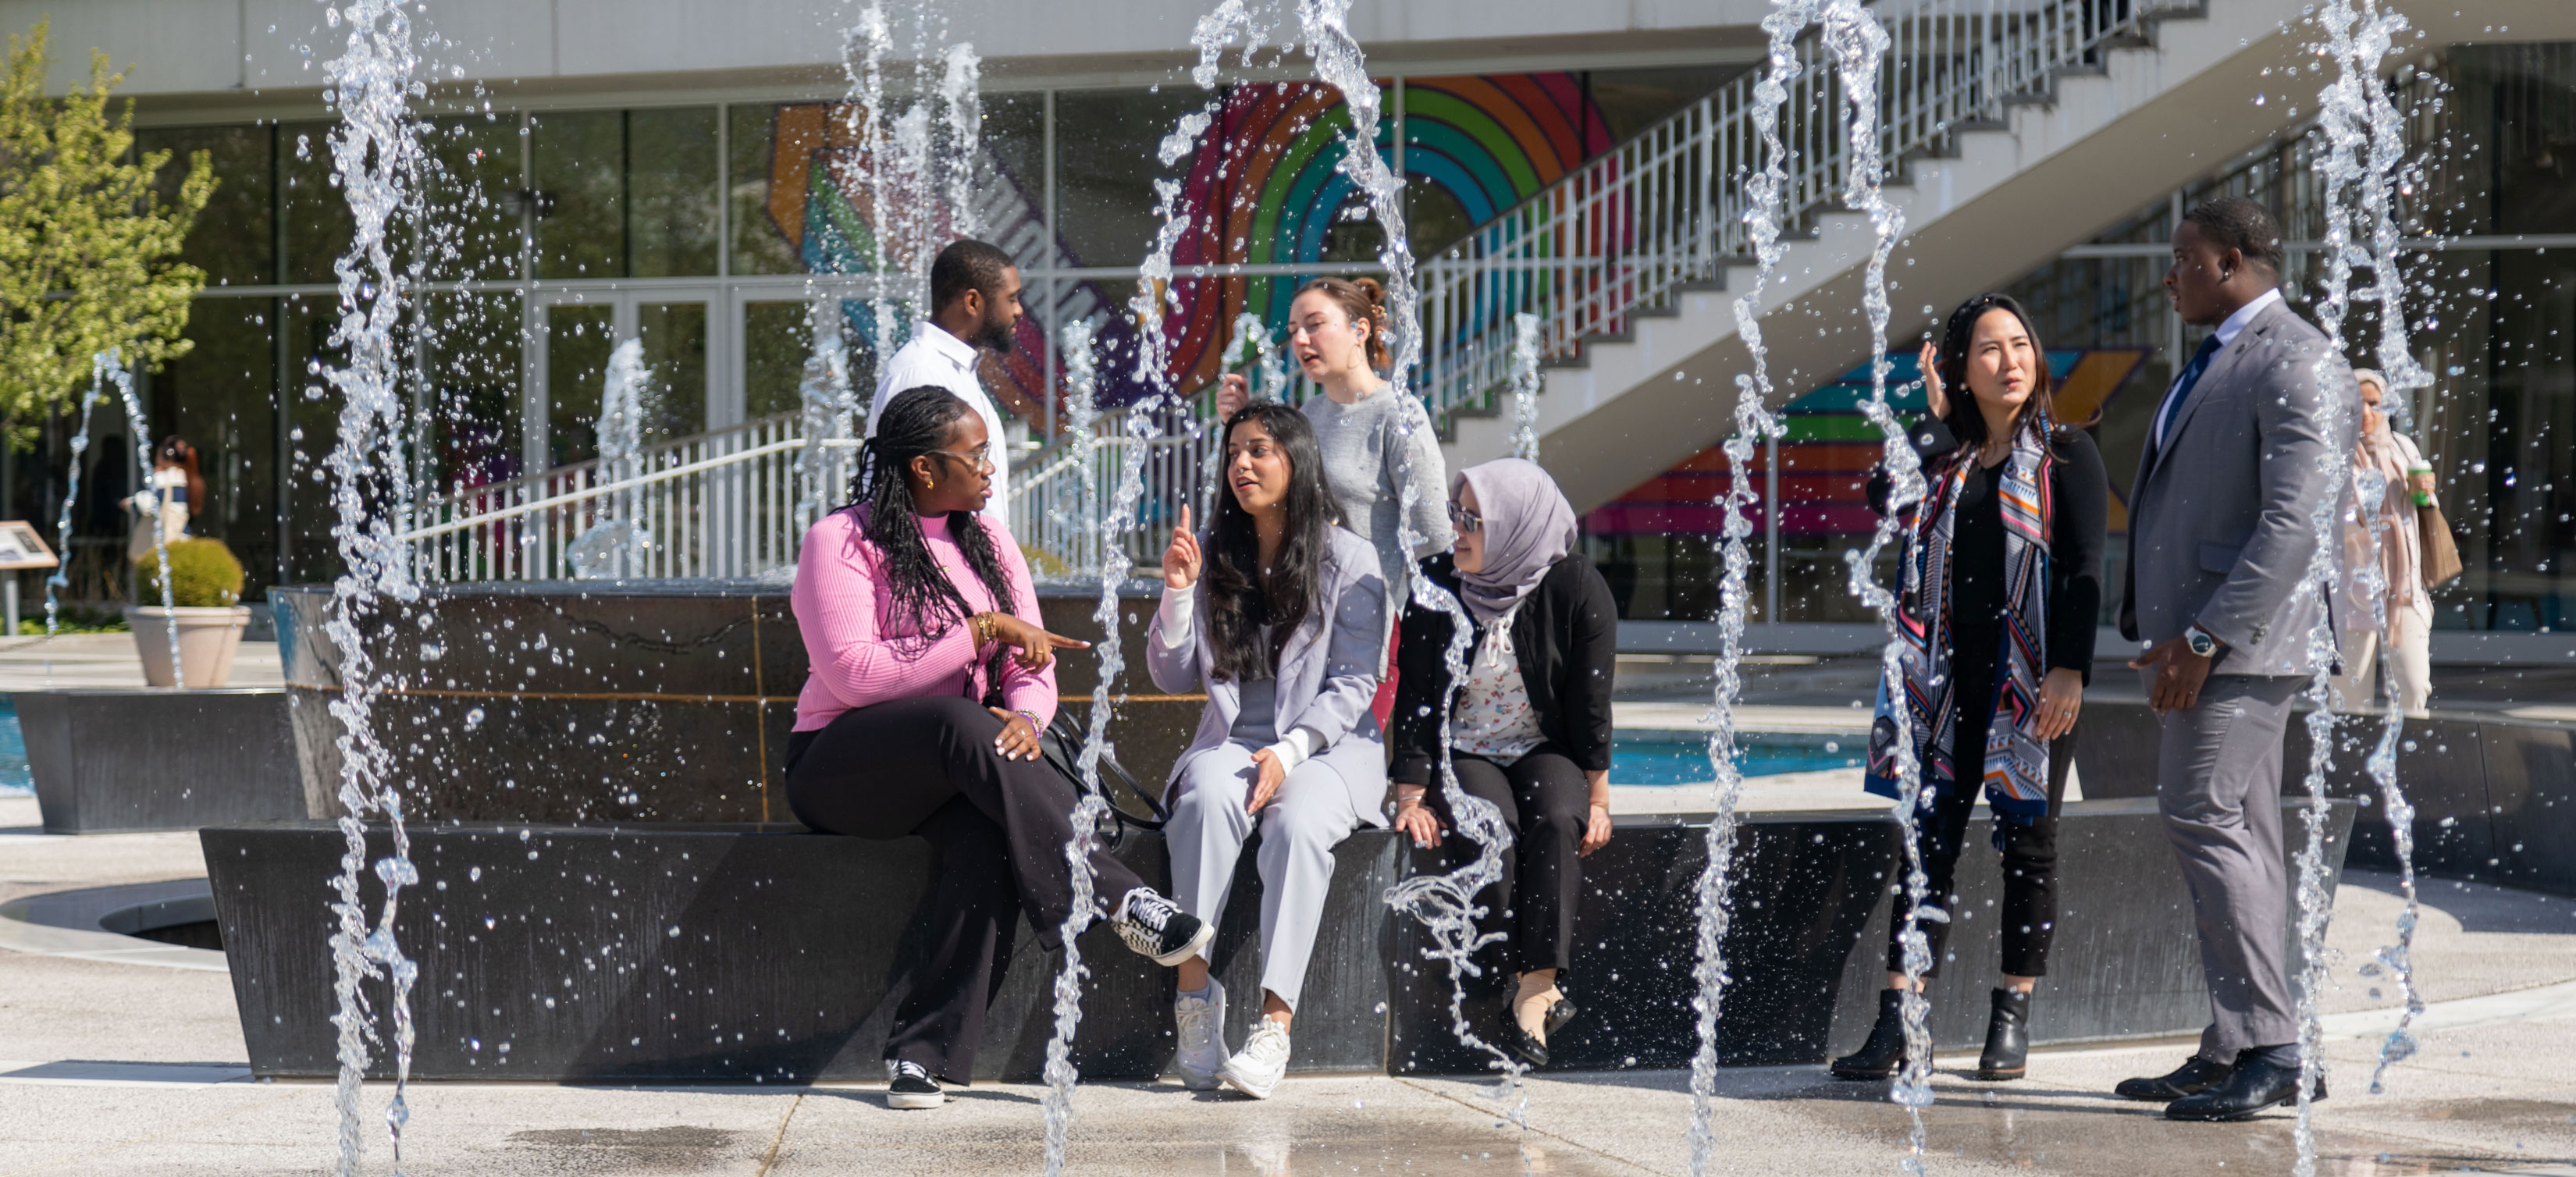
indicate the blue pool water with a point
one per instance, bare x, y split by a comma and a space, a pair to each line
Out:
14, 781
1681, 758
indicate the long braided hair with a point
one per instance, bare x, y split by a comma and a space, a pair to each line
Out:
915, 422
1241, 598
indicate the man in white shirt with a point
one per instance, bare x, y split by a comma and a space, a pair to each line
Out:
974, 301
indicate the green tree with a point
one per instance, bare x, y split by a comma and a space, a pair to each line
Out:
88, 252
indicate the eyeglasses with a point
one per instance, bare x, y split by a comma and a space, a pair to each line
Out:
1467, 522
981, 460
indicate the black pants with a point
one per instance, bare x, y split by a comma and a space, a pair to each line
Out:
1547, 803
2029, 915
997, 829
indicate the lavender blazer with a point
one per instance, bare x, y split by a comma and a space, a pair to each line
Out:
1328, 675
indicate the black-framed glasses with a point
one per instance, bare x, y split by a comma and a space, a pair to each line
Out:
981, 459
1465, 521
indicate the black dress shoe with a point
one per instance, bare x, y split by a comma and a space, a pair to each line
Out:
2193, 1077
1534, 1050
2256, 1085
2007, 1054
1884, 1053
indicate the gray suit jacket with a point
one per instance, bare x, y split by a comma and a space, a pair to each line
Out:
1326, 679
2221, 515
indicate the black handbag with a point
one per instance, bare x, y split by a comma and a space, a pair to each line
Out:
1062, 743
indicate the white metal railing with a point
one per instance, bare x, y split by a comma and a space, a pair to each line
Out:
1624, 232
730, 502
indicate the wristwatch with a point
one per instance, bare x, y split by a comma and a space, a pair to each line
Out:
2200, 641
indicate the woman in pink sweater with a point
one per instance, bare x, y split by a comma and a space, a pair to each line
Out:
930, 682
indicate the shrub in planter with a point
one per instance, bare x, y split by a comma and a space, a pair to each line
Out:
203, 573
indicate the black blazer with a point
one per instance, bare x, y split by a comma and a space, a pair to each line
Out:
1567, 637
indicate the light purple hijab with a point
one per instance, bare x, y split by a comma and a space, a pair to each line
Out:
1528, 527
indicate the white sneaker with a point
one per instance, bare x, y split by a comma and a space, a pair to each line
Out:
1257, 1069
1202, 1033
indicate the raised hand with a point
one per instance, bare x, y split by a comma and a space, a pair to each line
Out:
1181, 561
1231, 395
1933, 395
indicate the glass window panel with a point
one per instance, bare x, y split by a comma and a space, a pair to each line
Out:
580, 176
776, 339
760, 246
318, 226
675, 349
312, 425
473, 226
671, 192
578, 339
1014, 141
235, 239
1105, 169
222, 397
474, 378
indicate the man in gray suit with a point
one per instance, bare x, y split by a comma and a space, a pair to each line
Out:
2221, 529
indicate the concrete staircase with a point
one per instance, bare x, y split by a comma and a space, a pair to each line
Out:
2194, 89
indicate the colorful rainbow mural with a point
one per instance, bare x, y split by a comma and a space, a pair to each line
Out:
1262, 188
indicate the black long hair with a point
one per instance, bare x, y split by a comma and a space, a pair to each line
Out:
1240, 599
915, 422
1966, 423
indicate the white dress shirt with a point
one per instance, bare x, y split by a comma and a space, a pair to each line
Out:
2227, 333
933, 356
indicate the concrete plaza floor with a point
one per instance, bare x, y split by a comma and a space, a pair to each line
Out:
110, 1068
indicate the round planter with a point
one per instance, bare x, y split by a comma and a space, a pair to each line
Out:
208, 637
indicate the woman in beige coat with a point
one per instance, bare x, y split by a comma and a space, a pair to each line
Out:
2405, 618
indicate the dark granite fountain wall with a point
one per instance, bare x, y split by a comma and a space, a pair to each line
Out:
648, 701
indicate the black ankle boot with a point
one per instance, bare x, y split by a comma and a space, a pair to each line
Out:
2007, 1053
1879, 1057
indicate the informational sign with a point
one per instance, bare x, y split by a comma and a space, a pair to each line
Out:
21, 547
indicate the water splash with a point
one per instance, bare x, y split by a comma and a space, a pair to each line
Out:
1445, 904
1154, 297
1859, 47
61, 576
618, 542
2391, 171
863, 51
376, 157
109, 366
1082, 408
827, 410
2344, 124
1526, 380
961, 100
1765, 207
1251, 346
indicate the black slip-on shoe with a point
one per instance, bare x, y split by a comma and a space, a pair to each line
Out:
2194, 1076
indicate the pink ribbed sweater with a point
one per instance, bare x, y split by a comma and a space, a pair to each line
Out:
850, 632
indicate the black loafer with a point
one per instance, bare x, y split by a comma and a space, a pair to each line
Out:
2255, 1086
1532, 1050
2193, 1077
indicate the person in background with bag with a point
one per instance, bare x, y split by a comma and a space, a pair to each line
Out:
1281, 619
177, 487
1529, 728
2396, 534
930, 683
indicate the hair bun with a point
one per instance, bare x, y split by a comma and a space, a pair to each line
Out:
1374, 289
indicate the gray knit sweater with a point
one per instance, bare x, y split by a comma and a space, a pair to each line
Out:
1363, 445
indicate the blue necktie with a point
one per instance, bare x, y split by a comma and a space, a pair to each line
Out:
2182, 386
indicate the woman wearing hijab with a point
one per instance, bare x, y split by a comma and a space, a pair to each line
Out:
2002, 585
1281, 619
2392, 536
1528, 729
